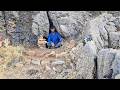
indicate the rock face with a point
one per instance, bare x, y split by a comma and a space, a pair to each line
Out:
40, 24
98, 55
105, 59
115, 39
2, 22
114, 13
116, 65
10, 19
83, 57
69, 23
18, 26
90, 48
100, 27
117, 76
108, 63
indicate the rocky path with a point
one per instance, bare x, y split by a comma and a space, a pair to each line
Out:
39, 63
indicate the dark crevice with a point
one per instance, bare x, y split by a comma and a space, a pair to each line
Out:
5, 25
51, 24
50, 20
95, 76
109, 42
109, 75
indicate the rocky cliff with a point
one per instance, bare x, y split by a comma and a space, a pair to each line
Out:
96, 33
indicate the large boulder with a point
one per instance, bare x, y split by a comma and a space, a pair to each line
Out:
10, 20
105, 59
40, 25
100, 27
2, 22
83, 57
70, 23
108, 63
115, 39
116, 65
90, 48
23, 28
114, 13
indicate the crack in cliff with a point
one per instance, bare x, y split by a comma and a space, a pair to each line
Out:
109, 42
95, 76
5, 22
49, 20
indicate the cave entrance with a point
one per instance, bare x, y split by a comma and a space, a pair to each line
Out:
50, 21
51, 25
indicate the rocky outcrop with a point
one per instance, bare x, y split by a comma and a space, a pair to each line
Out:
97, 57
10, 20
114, 13
70, 23
100, 27
83, 57
115, 39
116, 65
23, 28
108, 63
105, 59
2, 22
40, 25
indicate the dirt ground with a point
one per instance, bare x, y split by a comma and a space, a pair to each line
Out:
35, 61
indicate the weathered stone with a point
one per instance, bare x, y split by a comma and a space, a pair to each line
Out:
90, 48
36, 62
117, 76
105, 60
108, 61
84, 61
116, 65
10, 19
58, 62
32, 72
115, 39
40, 24
69, 23
114, 13
2, 22
100, 27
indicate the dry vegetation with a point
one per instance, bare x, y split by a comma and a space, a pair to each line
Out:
7, 55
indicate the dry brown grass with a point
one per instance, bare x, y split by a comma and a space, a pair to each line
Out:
7, 54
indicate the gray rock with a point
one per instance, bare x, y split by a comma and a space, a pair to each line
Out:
32, 72
11, 17
115, 39
114, 13
117, 76
100, 27
36, 62
105, 61
40, 24
84, 60
58, 62
116, 65
2, 22
69, 23
96, 13
90, 48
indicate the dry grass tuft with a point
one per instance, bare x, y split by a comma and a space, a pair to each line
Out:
7, 54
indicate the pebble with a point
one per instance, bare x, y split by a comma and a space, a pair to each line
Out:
58, 62
36, 62
117, 76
